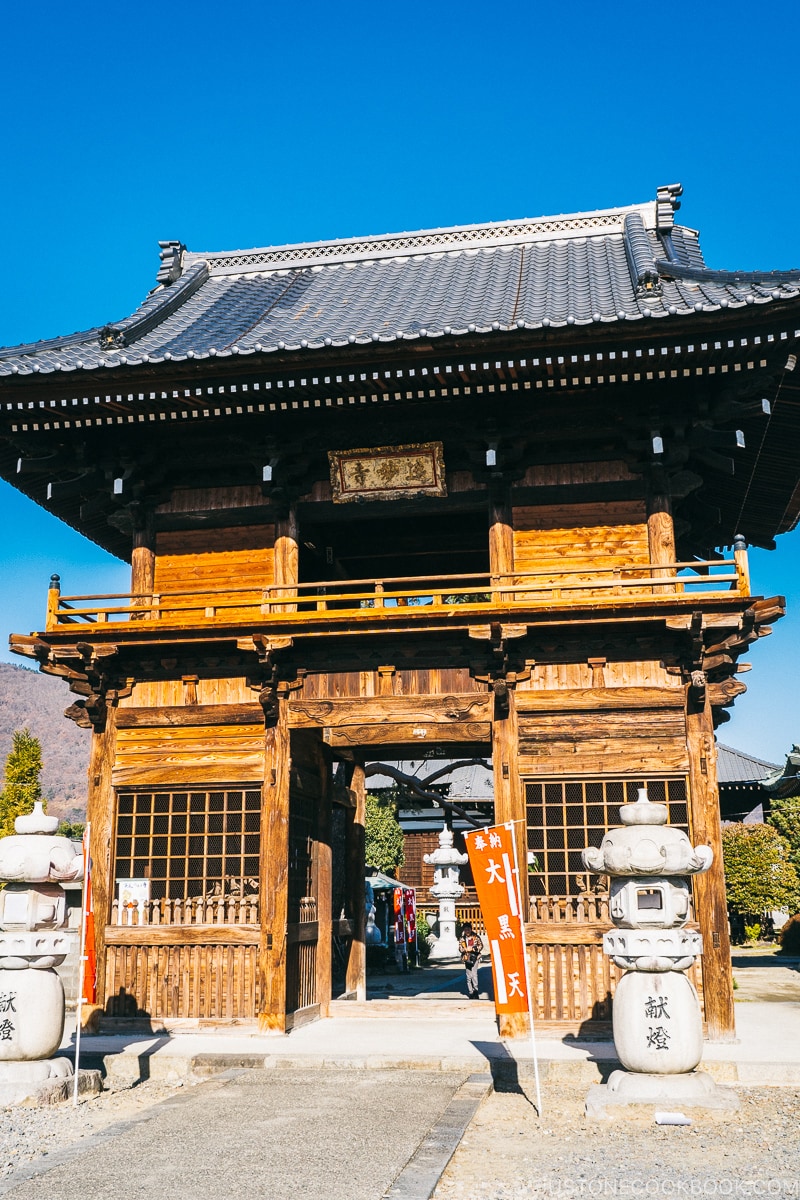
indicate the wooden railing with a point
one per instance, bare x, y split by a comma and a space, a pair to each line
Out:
576, 910
412, 600
217, 910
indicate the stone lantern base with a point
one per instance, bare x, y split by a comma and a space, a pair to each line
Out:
48, 1081
630, 1094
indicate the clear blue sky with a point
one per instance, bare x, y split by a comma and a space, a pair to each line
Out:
244, 124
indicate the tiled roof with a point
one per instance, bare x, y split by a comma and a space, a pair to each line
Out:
598, 268
734, 766
784, 781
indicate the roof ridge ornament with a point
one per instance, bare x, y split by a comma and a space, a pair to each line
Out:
639, 253
171, 268
667, 204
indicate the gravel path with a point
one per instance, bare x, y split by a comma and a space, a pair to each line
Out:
508, 1153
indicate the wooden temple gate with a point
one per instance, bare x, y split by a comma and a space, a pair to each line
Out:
452, 490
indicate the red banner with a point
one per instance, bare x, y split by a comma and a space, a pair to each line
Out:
491, 856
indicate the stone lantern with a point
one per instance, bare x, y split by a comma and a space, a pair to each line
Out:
658, 1032
34, 861
446, 862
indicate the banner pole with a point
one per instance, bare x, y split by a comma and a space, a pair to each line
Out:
528, 979
82, 963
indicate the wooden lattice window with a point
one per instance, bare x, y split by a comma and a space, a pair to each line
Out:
190, 843
566, 815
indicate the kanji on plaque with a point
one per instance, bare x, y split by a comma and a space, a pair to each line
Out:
491, 856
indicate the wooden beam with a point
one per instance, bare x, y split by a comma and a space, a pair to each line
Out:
182, 935
274, 875
711, 909
422, 734
100, 814
189, 715
239, 770
404, 710
356, 980
588, 699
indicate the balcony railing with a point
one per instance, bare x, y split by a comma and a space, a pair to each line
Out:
409, 601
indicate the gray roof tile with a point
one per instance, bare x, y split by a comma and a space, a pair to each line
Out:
617, 264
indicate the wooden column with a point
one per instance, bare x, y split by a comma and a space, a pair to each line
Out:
323, 887
660, 532
709, 888
100, 812
287, 556
501, 539
509, 805
143, 563
274, 874
357, 962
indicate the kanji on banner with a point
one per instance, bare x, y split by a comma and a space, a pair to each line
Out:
90, 962
492, 859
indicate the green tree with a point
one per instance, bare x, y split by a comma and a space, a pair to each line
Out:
759, 875
21, 787
383, 835
785, 817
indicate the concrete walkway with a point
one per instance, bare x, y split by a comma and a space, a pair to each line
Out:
447, 1033
767, 1050
277, 1136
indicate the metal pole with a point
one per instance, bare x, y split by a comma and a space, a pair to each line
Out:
82, 968
527, 974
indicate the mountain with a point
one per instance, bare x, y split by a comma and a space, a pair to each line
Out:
28, 699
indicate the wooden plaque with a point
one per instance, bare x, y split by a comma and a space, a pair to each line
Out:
387, 472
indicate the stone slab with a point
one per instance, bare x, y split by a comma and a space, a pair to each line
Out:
420, 1176
629, 1095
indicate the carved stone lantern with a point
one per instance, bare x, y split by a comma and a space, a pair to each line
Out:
446, 863
33, 941
658, 1032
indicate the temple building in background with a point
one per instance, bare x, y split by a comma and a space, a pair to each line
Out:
471, 493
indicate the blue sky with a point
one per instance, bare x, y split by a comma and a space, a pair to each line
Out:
246, 124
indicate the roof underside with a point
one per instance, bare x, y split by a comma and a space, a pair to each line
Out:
618, 265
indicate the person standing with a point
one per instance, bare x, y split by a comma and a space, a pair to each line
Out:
470, 947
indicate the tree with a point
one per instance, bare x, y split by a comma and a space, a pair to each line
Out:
785, 817
384, 837
21, 788
759, 875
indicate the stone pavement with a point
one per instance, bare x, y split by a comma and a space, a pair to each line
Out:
339, 1135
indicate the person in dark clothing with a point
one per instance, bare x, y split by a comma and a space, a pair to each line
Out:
471, 948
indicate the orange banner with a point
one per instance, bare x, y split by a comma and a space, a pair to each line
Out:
90, 962
491, 856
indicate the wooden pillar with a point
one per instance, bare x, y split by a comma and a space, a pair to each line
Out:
323, 889
501, 540
100, 812
274, 874
143, 563
357, 962
709, 888
287, 556
509, 805
660, 533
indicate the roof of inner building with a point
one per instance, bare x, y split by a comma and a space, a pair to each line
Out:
613, 266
